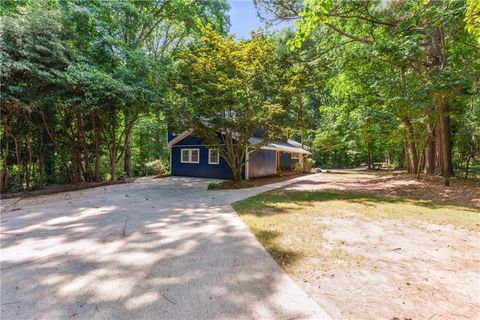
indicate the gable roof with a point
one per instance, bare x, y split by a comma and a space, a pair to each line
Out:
280, 146
287, 147
295, 143
291, 146
179, 138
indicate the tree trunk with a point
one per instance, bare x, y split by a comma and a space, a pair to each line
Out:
17, 157
49, 148
87, 172
412, 148
430, 151
438, 153
127, 163
438, 61
407, 158
237, 174
4, 173
446, 145
76, 166
113, 153
29, 164
421, 163
96, 131
302, 120
467, 166
413, 157
79, 170
423, 156
369, 156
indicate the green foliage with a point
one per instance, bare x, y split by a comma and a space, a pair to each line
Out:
90, 87
308, 164
78, 75
389, 91
149, 140
156, 167
213, 185
314, 14
226, 86
297, 168
472, 18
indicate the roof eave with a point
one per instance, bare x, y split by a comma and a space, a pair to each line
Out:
179, 138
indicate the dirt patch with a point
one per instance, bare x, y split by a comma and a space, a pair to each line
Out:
394, 270
461, 191
363, 254
257, 182
58, 188
160, 176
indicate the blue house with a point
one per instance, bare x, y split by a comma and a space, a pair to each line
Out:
190, 156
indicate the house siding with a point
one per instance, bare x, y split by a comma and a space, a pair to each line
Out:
171, 136
189, 141
286, 161
201, 169
262, 163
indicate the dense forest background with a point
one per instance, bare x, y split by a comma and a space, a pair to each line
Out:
89, 88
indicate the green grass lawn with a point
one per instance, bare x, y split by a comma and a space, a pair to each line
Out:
286, 222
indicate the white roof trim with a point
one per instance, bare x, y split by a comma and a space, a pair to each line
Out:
294, 143
179, 138
254, 140
273, 146
288, 149
268, 148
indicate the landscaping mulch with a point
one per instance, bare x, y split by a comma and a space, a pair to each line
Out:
57, 188
257, 182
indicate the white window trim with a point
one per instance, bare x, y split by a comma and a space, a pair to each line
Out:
295, 156
190, 150
218, 153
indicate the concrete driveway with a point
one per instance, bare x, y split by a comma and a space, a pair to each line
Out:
154, 249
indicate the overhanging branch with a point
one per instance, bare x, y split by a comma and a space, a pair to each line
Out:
348, 35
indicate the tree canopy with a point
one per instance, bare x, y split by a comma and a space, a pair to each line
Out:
229, 87
396, 72
78, 78
89, 88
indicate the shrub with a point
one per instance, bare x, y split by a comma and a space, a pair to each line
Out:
297, 168
308, 164
213, 185
155, 167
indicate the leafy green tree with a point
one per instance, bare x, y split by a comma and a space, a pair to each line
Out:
472, 18
225, 94
410, 52
34, 58
77, 76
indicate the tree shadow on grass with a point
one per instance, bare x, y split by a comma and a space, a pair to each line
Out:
283, 257
373, 200
270, 203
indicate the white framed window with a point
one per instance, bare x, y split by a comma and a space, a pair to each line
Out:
295, 156
213, 156
190, 156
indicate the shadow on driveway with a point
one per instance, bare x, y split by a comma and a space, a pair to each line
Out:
156, 249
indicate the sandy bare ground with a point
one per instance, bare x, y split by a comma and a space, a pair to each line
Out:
389, 269
461, 191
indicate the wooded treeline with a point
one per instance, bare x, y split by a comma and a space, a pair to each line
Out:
88, 88
401, 80
85, 86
